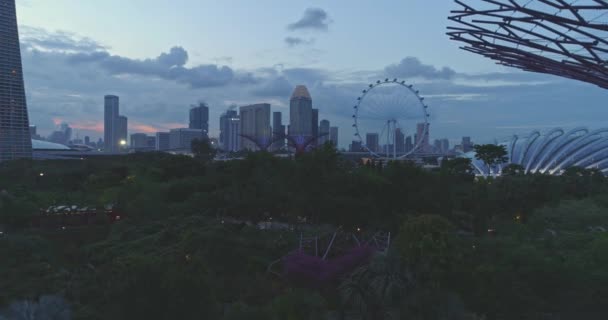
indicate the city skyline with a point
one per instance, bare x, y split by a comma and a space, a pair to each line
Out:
466, 95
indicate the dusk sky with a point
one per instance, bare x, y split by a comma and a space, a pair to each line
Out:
161, 56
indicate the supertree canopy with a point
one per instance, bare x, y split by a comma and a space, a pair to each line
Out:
559, 37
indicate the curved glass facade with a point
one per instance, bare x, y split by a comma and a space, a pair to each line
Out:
553, 152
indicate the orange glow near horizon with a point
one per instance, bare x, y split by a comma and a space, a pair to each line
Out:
134, 126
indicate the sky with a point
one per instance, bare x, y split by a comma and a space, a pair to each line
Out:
162, 56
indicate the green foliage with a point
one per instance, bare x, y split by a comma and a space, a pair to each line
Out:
428, 246
491, 154
172, 258
202, 150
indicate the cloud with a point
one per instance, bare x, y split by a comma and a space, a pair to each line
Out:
276, 87
168, 66
315, 19
411, 67
296, 41
40, 39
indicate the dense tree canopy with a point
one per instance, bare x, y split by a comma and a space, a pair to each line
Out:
514, 247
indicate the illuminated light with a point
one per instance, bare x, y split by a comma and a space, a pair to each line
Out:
188, 258
123, 142
63, 228
42, 174
358, 229
117, 217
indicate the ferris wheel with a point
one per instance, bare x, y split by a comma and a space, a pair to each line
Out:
391, 120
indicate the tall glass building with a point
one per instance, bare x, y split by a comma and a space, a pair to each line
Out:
15, 140
300, 113
199, 118
110, 127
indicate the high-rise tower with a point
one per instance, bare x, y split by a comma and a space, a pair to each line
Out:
15, 139
110, 124
199, 118
300, 113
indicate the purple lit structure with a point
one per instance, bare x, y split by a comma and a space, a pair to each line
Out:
344, 253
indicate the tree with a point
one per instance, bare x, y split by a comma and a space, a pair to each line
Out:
491, 155
457, 167
202, 150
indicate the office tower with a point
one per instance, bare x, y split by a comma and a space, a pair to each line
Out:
399, 141
67, 132
445, 145
139, 141
121, 132
315, 124
356, 147
372, 142
199, 118
437, 145
181, 139
255, 126
422, 134
278, 131
87, 140
323, 132
163, 141
225, 120
409, 145
300, 113
15, 138
33, 132
333, 136
61, 136
110, 124
467, 145
232, 142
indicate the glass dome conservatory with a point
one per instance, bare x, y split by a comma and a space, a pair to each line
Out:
553, 152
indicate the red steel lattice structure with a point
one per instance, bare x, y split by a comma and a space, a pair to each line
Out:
563, 38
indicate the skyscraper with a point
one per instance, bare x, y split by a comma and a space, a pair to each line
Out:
300, 113
356, 147
15, 138
181, 139
372, 141
163, 142
399, 141
110, 124
409, 145
467, 145
225, 120
232, 139
278, 130
422, 134
139, 141
333, 136
255, 125
323, 132
445, 145
199, 117
315, 124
